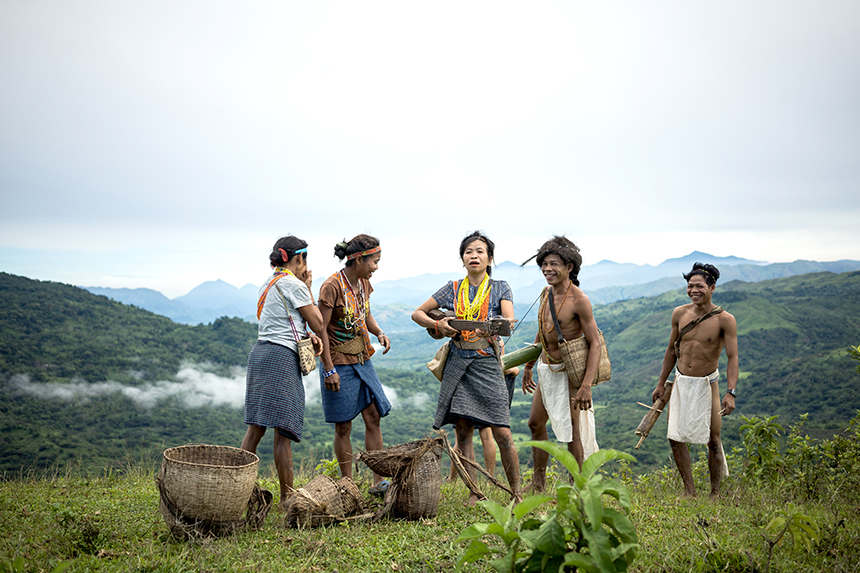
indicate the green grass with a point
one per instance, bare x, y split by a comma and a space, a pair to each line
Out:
112, 523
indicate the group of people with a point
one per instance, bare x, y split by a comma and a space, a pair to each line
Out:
474, 392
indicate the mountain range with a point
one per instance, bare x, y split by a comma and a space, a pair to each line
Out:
394, 300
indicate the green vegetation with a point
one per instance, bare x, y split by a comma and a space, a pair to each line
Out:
578, 532
800, 518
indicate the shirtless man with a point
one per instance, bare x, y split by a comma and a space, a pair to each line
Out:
695, 401
560, 261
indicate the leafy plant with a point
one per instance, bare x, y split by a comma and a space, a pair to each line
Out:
761, 441
800, 526
854, 352
331, 468
580, 531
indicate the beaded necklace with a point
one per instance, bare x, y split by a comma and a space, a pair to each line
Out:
279, 272
471, 309
355, 309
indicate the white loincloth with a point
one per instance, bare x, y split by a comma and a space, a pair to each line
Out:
690, 409
556, 401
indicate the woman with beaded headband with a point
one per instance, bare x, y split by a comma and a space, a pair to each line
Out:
274, 393
348, 381
473, 389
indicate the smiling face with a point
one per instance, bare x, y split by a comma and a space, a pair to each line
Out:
366, 266
475, 257
554, 270
699, 291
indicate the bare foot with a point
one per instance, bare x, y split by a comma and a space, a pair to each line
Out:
537, 486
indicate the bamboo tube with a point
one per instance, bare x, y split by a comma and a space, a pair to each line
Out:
654, 412
525, 354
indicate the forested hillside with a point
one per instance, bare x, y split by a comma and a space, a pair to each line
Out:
74, 368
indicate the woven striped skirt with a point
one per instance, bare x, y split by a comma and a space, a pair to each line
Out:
274, 394
359, 388
473, 388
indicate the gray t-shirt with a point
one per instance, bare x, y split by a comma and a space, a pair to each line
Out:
274, 324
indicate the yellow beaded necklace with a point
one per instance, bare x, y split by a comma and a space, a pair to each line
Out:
471, 310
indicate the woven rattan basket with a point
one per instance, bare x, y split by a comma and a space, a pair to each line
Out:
419, 496
391, 460
208, 483
322, 501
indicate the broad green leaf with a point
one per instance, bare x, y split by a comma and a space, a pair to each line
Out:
528, 504
559, 453
775, 524
581, 562
592, 504
500, 513
626, 551
549, 538
600, 457
619, 492
475, 551
474, 530
504, 564
599, 547
621, 524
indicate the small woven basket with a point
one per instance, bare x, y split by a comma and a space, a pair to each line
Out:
208, 483
321, 501
391, 460
419, 496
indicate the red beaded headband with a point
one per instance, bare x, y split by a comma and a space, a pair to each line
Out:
364, 253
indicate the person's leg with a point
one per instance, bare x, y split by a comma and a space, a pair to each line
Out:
510, 460
343, 447
372, 433
489, 446
715, 450
284, 464
681, 453
464, 429
537, 425
252, 438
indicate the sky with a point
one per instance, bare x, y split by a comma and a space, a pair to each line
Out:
161, 144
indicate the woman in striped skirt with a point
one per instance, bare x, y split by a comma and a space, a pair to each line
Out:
274, 393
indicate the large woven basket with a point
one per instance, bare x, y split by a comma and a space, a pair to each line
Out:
208, 483
419, 496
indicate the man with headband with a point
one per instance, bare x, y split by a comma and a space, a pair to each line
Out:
700, 330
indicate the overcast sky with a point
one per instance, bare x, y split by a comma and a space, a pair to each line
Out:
163, 144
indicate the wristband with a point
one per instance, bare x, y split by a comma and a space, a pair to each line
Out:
530, 364
329, 373
380, 335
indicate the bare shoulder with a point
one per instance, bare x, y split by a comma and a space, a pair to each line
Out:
727, 319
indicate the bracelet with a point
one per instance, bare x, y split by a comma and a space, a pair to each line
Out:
530, 364
329, 373
436, 326
380, 335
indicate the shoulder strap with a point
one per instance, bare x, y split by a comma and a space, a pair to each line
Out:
287, 309
690, 326
554, 317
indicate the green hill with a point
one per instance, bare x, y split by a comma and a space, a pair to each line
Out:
73, 367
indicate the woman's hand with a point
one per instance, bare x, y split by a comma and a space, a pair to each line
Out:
317, 343
308, 278
332, 383
385, 342
443, 327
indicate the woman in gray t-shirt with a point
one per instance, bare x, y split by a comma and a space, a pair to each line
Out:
274, 393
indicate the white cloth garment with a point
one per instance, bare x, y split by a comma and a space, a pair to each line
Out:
556, 400
690, 409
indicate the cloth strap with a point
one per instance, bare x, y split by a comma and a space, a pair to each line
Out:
690, 326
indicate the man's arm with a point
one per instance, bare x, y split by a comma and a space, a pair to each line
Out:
669, 358
529, 385
730, 333
582, 307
